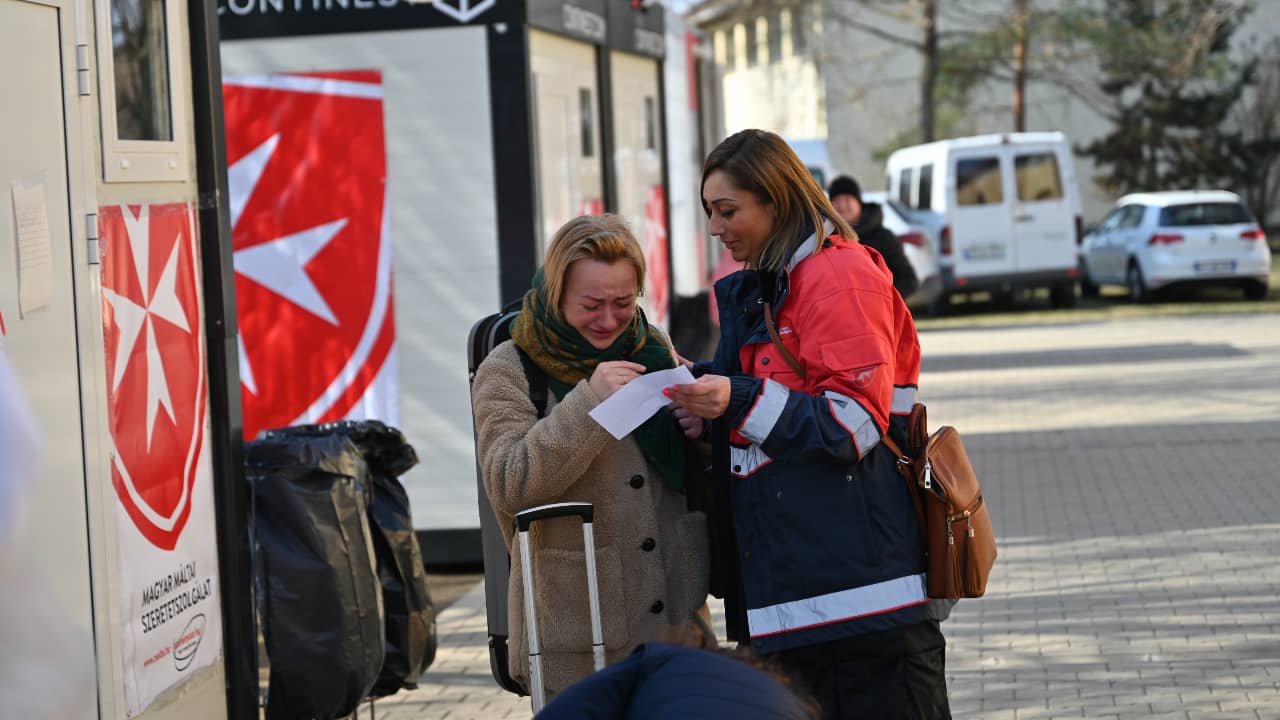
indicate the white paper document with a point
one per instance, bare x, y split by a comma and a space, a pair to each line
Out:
638, 400
35, 254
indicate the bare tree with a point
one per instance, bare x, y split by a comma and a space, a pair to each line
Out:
980, 42
1021, 38
929, 78
921, 15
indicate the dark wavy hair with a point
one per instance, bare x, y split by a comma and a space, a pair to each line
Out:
760, 162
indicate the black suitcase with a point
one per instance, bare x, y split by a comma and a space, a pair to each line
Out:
486, 334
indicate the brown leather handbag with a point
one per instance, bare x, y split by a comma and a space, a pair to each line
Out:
954, 522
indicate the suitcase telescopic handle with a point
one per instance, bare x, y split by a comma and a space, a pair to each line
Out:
524, 519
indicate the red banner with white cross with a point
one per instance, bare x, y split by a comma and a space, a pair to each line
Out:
308, 186
157, 413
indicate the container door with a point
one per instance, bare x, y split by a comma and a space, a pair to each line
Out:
39, 337
981, 222
567, 119
1043, 221
637, 163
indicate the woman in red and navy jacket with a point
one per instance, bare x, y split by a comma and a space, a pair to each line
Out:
819, 557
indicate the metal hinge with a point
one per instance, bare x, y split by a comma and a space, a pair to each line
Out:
91, 233
82, 68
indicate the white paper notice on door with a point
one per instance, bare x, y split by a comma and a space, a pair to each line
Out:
35, 255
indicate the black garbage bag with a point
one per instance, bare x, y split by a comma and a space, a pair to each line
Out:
320, 599
410, 616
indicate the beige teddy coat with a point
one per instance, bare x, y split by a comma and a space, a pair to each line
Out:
651, 553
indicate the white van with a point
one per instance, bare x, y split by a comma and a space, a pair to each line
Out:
1005, 210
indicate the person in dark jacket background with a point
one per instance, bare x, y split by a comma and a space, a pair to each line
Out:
867, 220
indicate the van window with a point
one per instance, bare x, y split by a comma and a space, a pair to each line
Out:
1205, 213
904, 185
924, 196
1038, 177
978, 181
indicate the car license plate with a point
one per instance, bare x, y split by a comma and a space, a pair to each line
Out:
991, 251
1216, 266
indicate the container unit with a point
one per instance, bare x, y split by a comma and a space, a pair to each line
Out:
502, 121
120, 569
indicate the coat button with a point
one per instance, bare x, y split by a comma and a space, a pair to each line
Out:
637, 481
648, 544
764, 361
737, 468
656, 607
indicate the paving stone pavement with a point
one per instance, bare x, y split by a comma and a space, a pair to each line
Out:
1133, 473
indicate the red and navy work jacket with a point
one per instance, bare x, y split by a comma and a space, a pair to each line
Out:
822, 532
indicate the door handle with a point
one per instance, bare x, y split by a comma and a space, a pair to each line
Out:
1024, 218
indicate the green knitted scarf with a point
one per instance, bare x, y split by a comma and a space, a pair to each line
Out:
566, 357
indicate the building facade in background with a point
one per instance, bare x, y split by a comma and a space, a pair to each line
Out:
769, 52
849, 72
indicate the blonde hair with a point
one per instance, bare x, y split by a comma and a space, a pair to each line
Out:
761, 163
606, 238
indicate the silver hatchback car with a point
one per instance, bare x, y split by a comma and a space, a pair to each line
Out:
1154, 240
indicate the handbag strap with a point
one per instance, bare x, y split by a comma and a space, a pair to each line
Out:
777, 342
893, 446
904, 462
